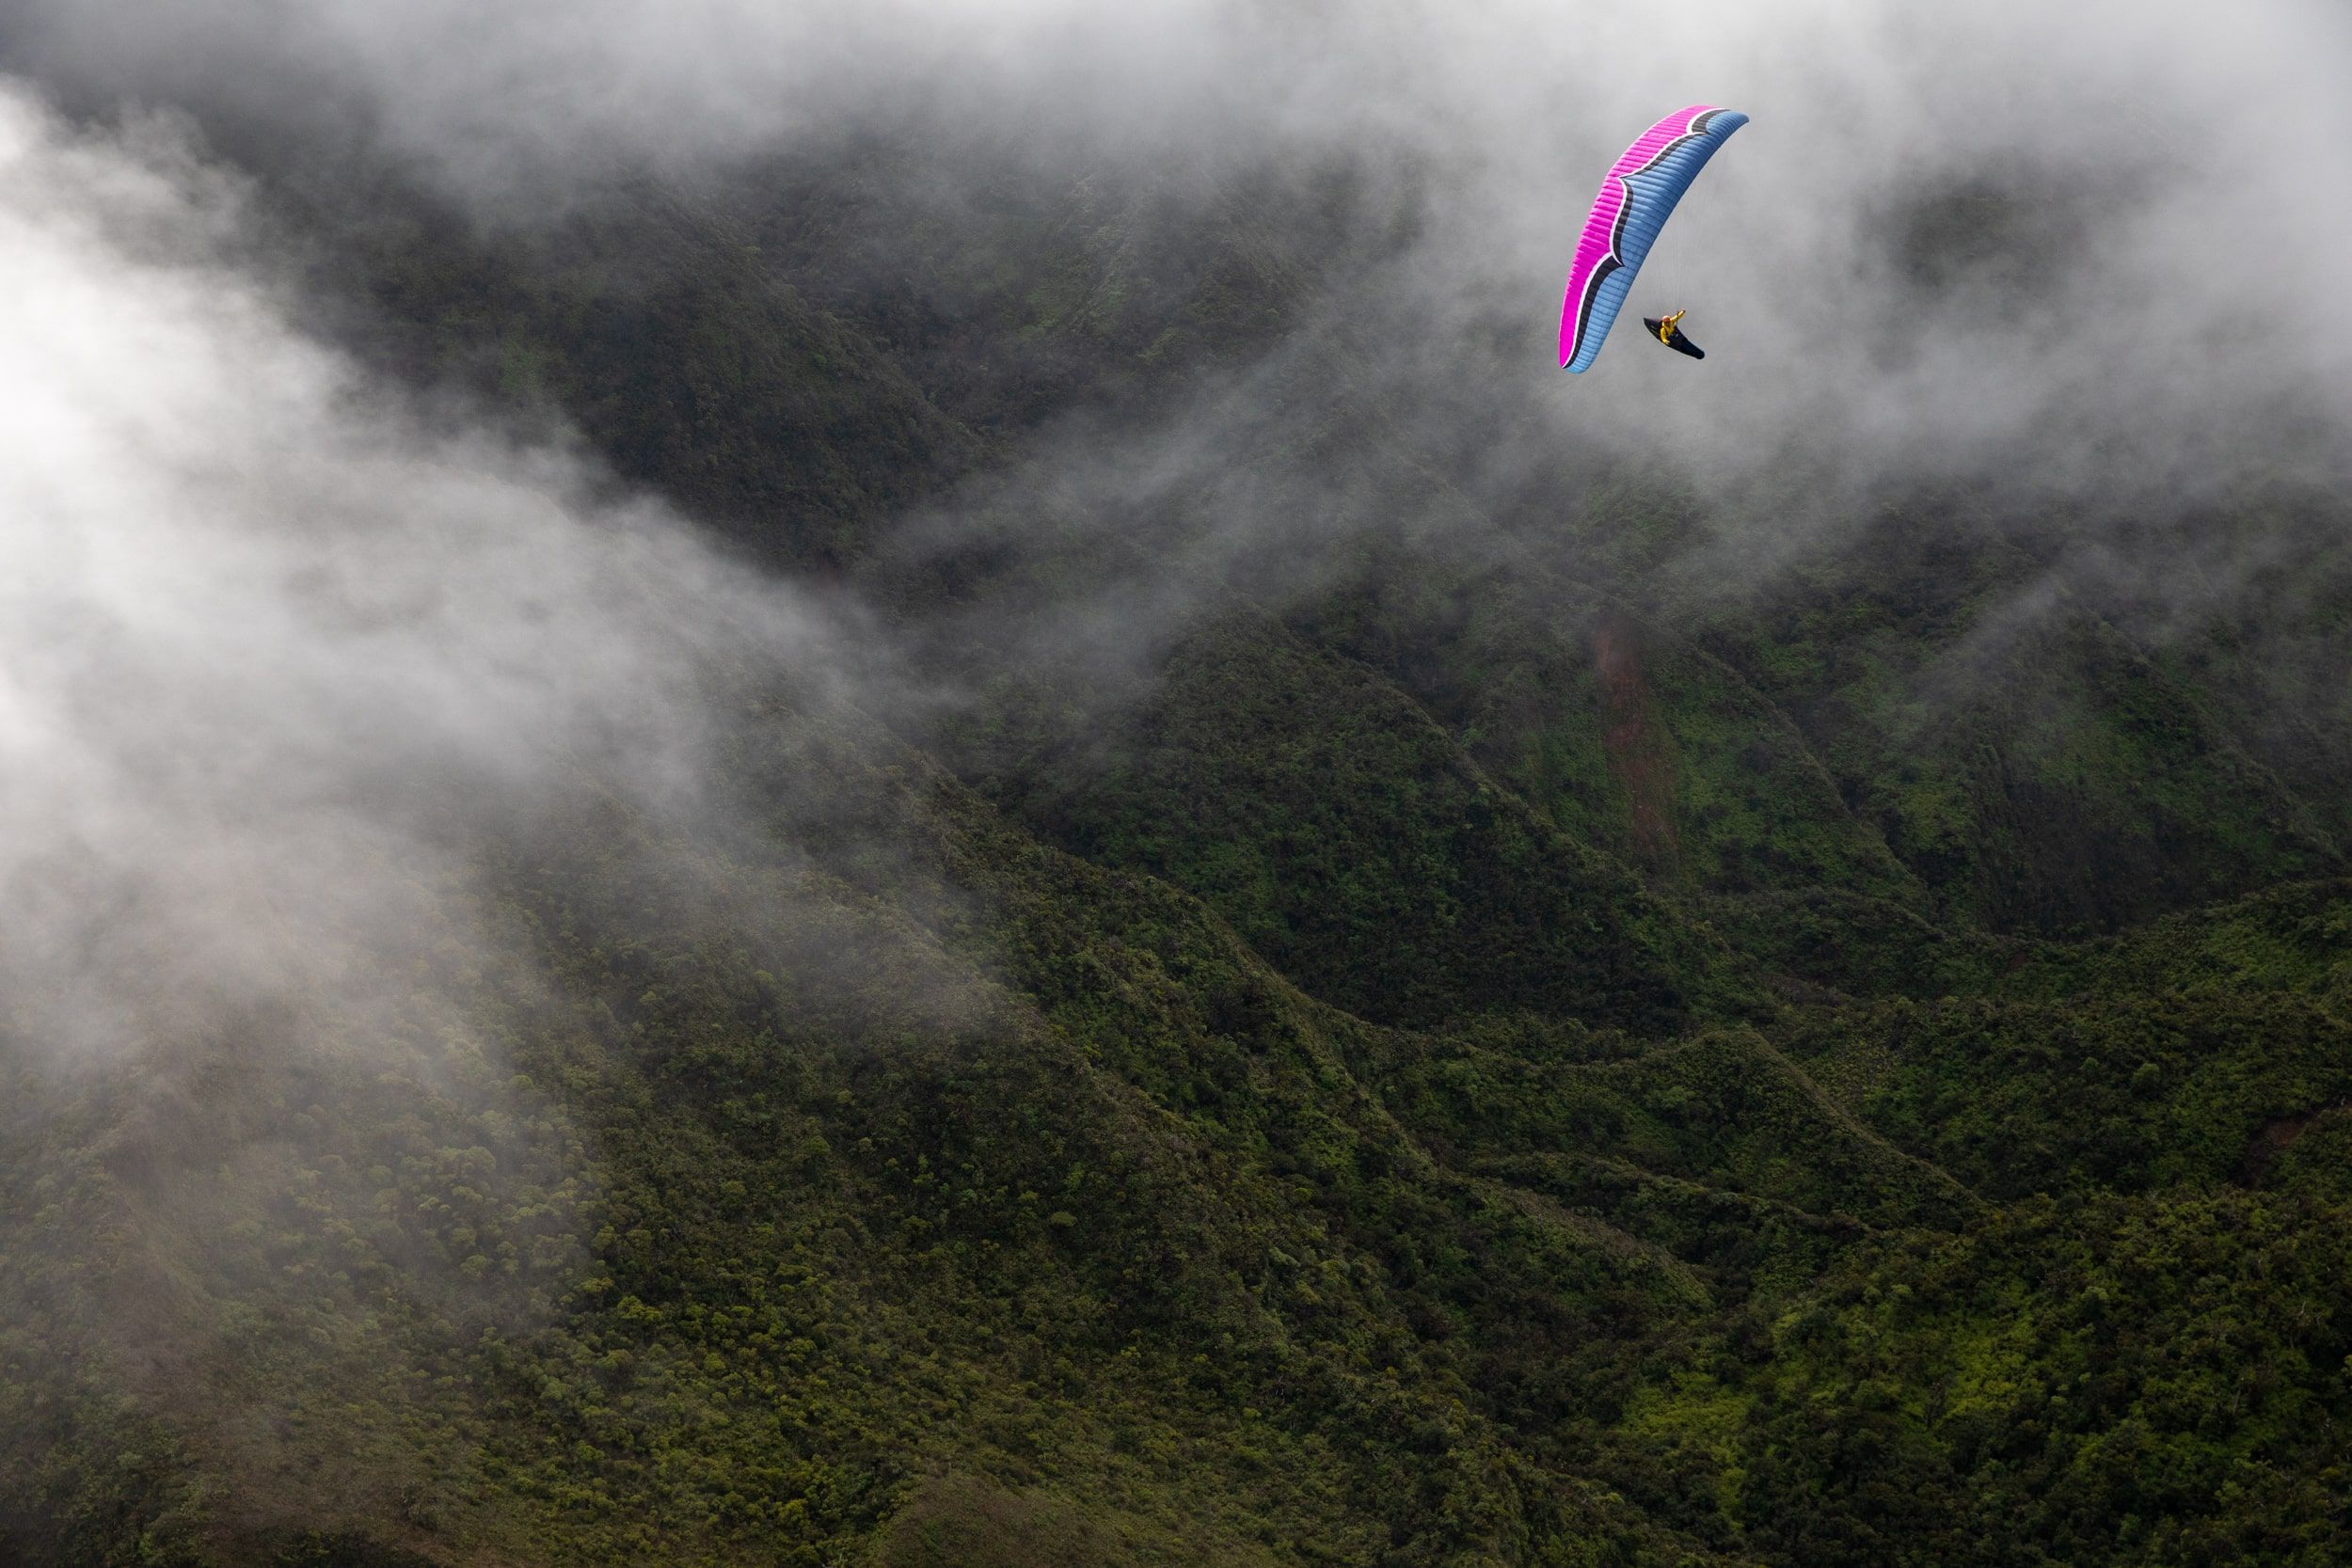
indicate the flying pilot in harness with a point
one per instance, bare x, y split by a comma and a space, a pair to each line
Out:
1668, 332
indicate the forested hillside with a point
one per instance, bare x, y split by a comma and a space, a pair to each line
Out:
1311, 970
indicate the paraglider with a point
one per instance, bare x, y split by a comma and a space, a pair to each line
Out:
1635, 200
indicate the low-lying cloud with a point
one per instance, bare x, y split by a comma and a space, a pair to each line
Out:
2077, 270
273, 637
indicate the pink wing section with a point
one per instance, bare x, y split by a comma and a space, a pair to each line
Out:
1598, 241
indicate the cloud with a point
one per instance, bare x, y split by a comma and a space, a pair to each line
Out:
275, 639
2079, 268
2188, 169
502, 102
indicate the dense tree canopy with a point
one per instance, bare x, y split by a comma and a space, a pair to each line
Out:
1472, 1058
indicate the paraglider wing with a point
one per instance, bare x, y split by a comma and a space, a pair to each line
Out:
1634, 203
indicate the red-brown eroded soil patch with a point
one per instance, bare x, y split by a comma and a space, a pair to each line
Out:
2275, 1138
1641, 758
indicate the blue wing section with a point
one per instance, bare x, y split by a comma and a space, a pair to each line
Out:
1651, 193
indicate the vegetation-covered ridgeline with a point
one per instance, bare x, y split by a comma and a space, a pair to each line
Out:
1451, 1055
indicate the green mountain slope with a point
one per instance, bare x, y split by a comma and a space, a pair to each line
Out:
2041, 775
1324, 814
1425, 1061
